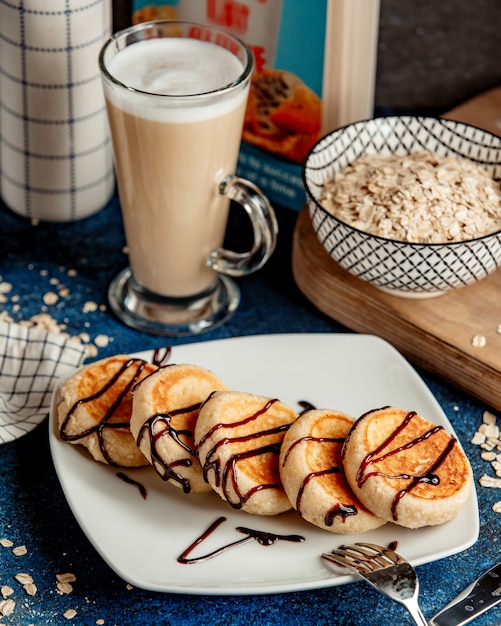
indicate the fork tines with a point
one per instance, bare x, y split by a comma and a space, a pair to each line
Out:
363, 557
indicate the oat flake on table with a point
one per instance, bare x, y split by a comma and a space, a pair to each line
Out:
488, 438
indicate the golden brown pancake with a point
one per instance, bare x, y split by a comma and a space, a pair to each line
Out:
238, 437
164, 412
313, 476
96, 407
406, 469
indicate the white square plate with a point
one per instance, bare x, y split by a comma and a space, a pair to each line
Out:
141, 539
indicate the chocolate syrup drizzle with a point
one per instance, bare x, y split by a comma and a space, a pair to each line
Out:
158, 426
130, 481
132, 368
306, 406
226, 476
160, 357
428, 477
262, 537
338, 510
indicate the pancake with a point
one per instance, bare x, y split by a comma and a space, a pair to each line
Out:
164, 411
313, 476
238, 437
406, 469
96, 406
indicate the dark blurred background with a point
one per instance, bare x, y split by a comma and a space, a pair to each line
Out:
435, 54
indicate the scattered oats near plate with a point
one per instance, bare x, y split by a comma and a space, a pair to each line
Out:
491, 431
478, 439
490, 481
64, 588
7, 607
91, 351
50, 298
487, 456
487, 437
20, 550
66, 578
479, 341
23, 579
102, 341
30, 589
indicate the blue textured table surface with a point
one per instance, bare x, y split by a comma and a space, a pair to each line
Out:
34, 512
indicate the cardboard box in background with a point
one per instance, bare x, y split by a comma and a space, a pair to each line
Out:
315, 64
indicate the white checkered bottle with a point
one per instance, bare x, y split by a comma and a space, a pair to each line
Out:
55, 152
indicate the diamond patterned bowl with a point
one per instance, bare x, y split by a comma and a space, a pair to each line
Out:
398, 267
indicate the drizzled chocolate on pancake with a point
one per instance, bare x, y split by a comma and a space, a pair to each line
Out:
428, 476
165, 409
161, 425
339, 509
226, 475
109, 406
313, 473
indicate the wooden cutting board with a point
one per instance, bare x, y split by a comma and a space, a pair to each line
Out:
435, 333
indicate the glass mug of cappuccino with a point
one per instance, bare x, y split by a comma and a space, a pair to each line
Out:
176, 94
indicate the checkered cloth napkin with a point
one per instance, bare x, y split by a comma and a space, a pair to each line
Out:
32, 360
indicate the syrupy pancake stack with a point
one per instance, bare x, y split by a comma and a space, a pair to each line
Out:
261, 456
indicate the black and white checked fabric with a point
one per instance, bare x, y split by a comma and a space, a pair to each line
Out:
55, 151
32, 360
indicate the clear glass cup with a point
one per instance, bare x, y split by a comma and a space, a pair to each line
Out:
176, 94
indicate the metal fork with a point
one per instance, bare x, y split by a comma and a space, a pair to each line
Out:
385, 570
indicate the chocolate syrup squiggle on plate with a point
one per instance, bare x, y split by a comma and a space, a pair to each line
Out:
262, 537
130, 481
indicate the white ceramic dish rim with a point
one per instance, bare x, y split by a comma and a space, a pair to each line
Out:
130, 533
397, 242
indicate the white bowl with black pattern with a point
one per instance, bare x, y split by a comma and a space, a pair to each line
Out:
399, 267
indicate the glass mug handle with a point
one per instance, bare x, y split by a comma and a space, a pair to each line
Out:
264, 224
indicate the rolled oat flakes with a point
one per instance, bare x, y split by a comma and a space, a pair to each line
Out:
418, 197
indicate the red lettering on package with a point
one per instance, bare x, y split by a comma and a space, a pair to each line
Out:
259, 57
230, 14
205, 34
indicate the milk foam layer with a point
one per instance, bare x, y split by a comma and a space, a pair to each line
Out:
175, 67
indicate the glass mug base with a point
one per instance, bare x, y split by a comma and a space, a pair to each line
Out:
172, 317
